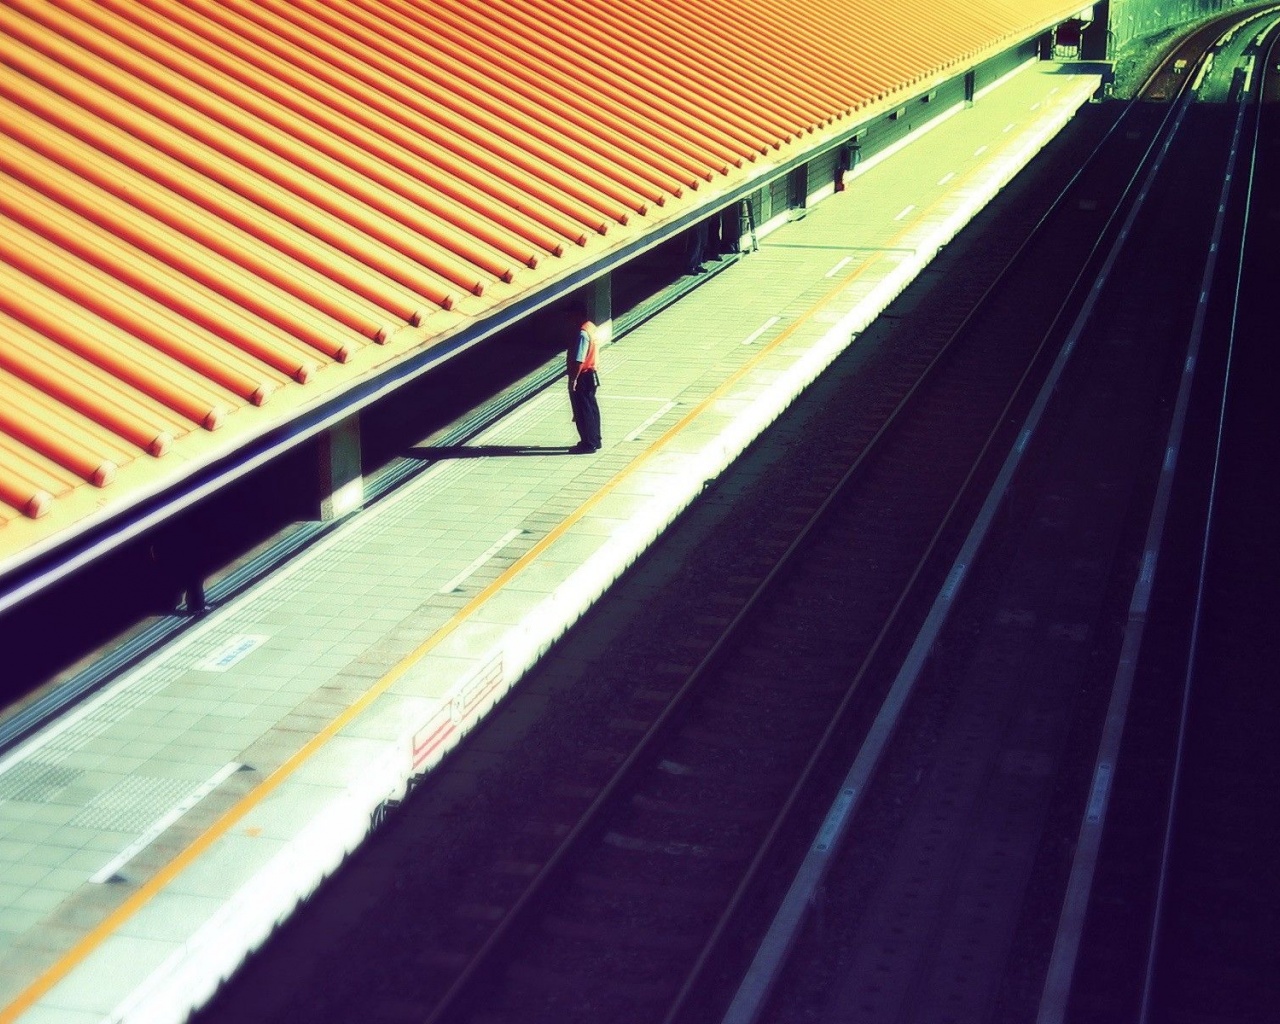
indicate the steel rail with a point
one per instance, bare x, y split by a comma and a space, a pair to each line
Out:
1162, 882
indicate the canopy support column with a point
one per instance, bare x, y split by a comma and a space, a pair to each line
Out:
340, 483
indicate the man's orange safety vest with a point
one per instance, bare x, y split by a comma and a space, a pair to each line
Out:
588, 360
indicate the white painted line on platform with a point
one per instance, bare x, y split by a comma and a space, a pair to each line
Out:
235, 650
839, 267
109, 871
1008, 128
666, 408
979, 151
905, 212
946, 177
761, 329
489, 552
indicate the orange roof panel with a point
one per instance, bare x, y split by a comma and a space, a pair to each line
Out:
215, 212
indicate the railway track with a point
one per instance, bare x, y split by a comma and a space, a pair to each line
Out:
999, 762
630, 872
1181, 920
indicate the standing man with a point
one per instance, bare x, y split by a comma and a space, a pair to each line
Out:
583, 379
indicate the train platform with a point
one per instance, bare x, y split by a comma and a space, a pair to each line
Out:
154, 836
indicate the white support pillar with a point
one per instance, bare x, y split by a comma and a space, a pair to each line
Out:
339, 477
598, 296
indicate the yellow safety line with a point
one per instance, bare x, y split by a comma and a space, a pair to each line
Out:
145, 892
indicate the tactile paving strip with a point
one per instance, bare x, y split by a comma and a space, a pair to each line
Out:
132, 804
36, 782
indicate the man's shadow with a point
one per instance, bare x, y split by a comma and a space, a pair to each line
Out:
484, 451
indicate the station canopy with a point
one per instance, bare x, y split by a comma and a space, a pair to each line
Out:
216, 215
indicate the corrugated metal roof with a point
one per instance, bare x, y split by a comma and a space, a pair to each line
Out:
212, 212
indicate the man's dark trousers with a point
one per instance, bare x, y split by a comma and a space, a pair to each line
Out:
586, 412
